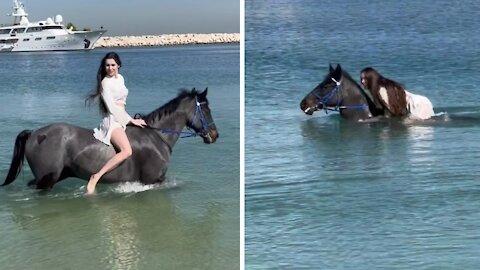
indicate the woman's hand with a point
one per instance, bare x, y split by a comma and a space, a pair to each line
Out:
139, 122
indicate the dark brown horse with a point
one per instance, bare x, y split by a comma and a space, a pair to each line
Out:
339, 92
58, 151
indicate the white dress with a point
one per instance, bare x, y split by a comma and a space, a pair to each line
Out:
114, 94
419, 107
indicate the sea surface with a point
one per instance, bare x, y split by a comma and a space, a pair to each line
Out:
189, 222
322, 193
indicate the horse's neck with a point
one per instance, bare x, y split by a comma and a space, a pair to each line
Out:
354, 100
354, 96
170, 124
174, 121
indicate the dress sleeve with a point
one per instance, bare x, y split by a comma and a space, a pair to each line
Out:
120, 115
383, 98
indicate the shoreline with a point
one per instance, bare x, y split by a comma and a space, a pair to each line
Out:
166, 40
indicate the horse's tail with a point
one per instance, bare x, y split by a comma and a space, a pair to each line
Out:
18, 156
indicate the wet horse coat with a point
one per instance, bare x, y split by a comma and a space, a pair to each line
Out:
339, 92
58, 151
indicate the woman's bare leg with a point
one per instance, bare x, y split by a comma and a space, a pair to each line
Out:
119, 139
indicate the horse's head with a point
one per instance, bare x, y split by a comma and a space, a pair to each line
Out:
200, 120
326, 94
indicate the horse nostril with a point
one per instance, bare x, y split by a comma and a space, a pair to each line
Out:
213, 134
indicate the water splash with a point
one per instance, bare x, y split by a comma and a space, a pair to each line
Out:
20, 193
135, 187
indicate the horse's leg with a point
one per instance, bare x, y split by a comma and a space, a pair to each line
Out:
153, 171
161, 179
45, 153
46, 174
48, 180
158, 179
32, 182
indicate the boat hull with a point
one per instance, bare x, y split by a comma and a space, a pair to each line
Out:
67, 41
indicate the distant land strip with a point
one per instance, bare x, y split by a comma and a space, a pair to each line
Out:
167, 40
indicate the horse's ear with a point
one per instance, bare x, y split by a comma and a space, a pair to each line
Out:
204, 93
337, 73
339, 68
330, 68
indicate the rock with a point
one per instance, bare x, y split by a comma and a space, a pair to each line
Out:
167, 40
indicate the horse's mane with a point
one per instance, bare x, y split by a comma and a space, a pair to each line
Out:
172, 105
370, 102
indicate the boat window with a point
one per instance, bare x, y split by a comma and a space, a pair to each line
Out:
52, 27
19, 30
34, 29
5, 31
26, 39
8, 41
38, 38
50, 37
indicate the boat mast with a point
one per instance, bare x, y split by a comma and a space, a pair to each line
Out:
19, 15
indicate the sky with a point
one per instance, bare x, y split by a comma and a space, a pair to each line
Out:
137, 17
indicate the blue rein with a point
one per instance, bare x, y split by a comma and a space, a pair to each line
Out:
336, 91
191, 133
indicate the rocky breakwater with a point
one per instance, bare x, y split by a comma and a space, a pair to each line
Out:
167, 40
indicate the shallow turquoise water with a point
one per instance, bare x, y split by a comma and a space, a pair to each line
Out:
192, 221
322, 193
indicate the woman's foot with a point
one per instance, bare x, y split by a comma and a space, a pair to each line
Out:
92, 183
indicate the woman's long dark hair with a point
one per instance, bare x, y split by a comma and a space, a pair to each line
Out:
397, 96
102, 72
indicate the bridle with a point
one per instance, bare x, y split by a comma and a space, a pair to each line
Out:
191, 132
323, 100
203, 120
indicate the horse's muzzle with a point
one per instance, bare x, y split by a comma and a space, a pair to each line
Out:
309, 110
211, 136
308, 107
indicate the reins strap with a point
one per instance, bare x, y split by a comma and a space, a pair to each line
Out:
185, 134
323, 100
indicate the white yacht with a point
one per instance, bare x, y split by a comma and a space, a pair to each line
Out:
48, 35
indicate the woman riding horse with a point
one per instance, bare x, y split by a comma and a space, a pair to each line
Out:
58, 151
